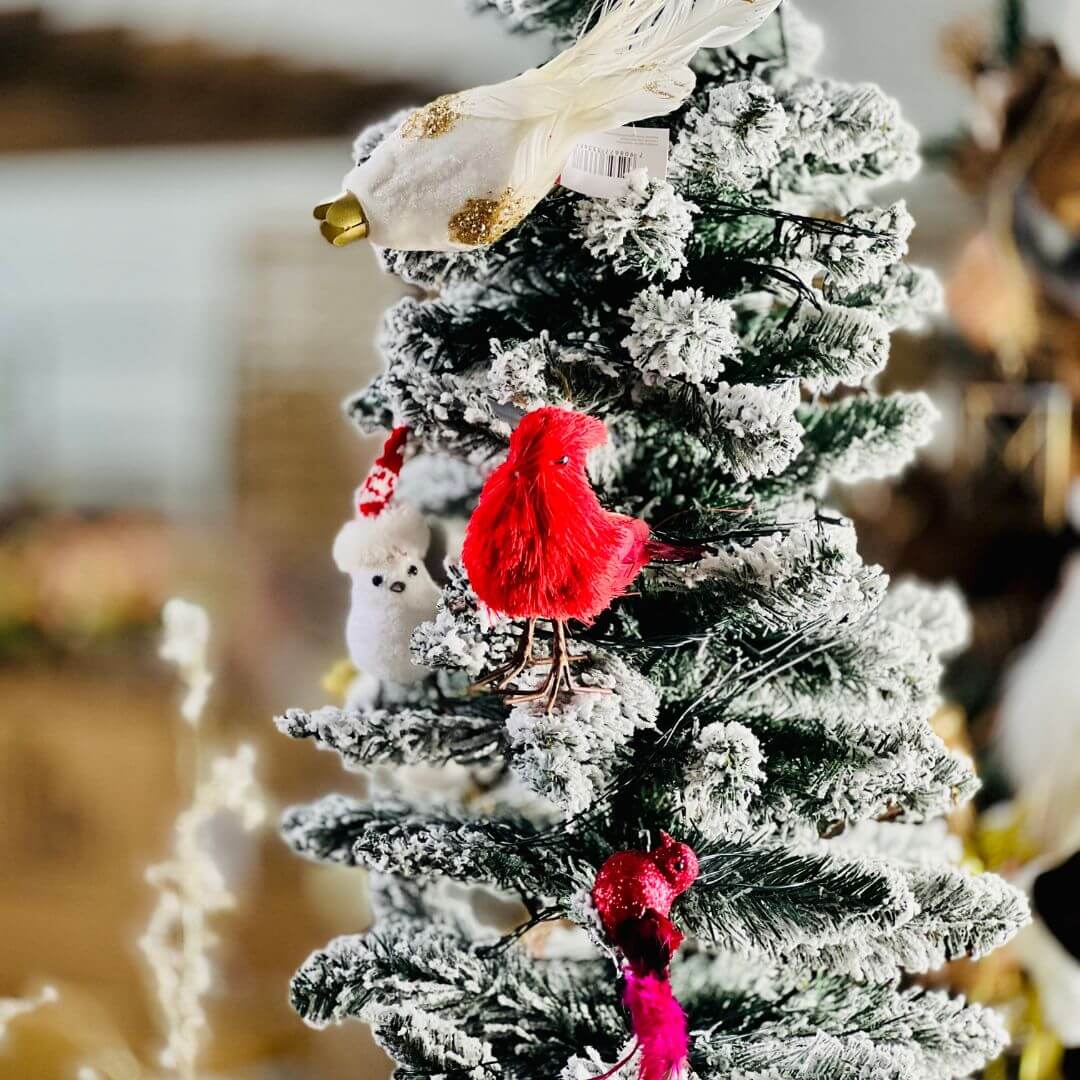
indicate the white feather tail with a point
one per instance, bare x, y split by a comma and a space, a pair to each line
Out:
634, 45
657, 34
632, 64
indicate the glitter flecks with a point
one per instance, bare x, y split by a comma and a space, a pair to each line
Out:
654, 87
433, 120
483, 221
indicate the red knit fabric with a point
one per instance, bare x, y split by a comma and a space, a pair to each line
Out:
380, 483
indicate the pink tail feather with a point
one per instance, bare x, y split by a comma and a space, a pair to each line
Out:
659, 1025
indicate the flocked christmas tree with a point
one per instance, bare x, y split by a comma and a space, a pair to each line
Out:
772, 698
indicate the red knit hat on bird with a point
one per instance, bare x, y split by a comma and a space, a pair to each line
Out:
382, 525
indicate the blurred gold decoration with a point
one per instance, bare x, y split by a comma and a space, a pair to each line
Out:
993, 303
337, 678
998, 840
1042, 1053
1015, 292
950, 725
1001, 840
1018, 444
1042, 1056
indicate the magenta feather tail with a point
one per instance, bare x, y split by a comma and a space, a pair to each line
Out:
659, 1025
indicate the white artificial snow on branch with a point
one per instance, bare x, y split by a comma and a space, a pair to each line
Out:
761, 433
589, 1065
936, 613
732, 136
722, 778
518, 374
463, 635
685, 335
645, 230
567, 754
879, 452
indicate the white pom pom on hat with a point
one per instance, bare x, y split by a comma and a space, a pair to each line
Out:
381, 528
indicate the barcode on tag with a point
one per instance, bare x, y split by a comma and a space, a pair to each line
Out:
599, 164
609, 163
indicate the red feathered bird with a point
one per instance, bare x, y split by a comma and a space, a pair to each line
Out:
633, 894
540, 546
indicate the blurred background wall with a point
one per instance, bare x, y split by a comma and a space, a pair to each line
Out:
174, 342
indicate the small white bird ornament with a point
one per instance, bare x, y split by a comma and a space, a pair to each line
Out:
468, 167
382, 549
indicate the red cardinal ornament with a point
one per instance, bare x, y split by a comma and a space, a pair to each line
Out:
633, 894
540, 546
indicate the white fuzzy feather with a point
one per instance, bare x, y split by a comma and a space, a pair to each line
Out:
631, 65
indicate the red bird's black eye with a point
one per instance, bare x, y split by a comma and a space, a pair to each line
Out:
679, 865
564, 460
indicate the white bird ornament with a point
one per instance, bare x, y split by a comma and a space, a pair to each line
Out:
383, 549
463, 170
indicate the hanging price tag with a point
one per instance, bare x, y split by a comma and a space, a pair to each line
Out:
600, 164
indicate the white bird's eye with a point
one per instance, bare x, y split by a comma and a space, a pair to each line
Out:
564, 460
412, 571
377, 580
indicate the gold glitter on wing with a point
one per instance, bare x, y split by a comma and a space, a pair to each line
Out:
654, 87
433, 120
483, 221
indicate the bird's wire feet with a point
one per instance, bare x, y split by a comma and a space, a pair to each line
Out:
560, 676
501, 678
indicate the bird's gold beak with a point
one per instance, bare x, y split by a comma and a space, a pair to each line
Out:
342, 220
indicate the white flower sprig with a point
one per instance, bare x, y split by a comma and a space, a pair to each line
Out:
190, 885
184, 643
13, 1008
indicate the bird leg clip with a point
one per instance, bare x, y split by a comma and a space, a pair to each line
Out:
502, 677
560, 676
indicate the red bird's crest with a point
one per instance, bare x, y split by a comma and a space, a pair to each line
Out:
545, 436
